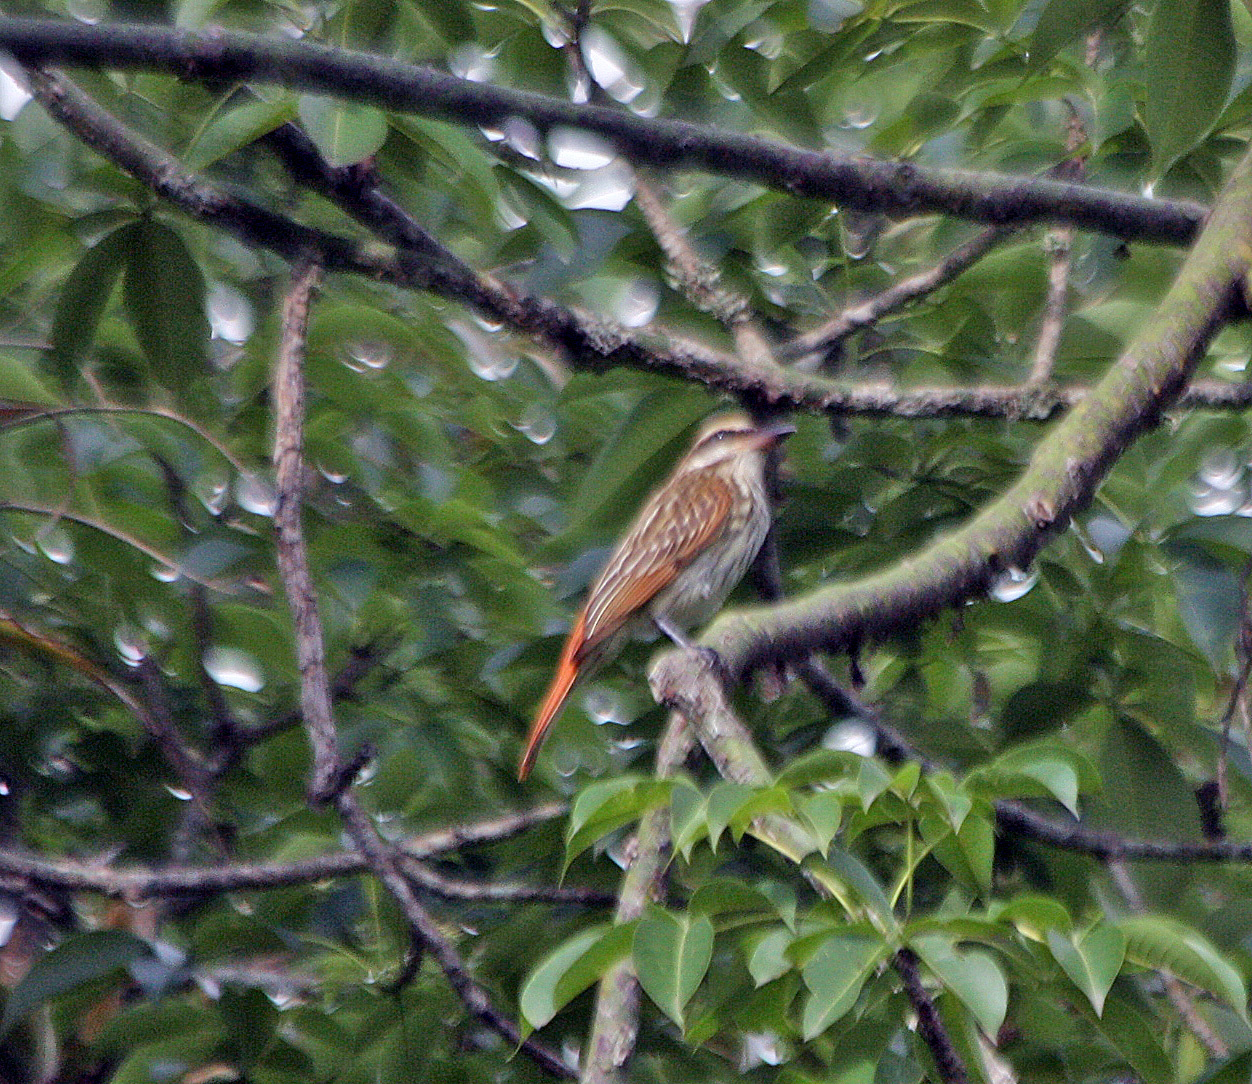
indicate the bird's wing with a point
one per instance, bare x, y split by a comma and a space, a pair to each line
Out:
672, 529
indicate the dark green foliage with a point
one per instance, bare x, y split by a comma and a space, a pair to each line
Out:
463, 484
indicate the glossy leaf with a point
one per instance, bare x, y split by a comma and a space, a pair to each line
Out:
345, 132
672, 952
1189, 61
603, 807
835, 975
568, 970
237, 128
1092, 960
1169, 945
972, 975
164, 293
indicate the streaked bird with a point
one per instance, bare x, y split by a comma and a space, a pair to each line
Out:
691, 542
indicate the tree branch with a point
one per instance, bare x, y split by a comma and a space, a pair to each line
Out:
824, 339
1064, 472
331, 780
91, 875
948, 1061
586, 340
615, 1026
853, 181
1060, 244
288, 392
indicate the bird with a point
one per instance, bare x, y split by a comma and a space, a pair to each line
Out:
689, 545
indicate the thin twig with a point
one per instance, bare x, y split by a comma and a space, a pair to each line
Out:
136, 883
700, 280
225, 726
386, 866
121, 536
1237, 703
13, 415
288, 392
930, 1026
1060, 245
827, 337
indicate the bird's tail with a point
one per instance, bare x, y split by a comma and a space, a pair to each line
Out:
567, 671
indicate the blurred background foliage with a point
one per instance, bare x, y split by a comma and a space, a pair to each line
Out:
464, 484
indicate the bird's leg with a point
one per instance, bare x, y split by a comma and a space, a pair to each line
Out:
672, 631
676, 634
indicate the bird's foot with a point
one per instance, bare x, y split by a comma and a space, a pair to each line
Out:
713, 661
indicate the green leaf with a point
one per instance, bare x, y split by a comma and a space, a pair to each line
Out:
844, 874
69, 965
835, 975
973, 976
769, 959
688, 817
1064, 21
724, 895
642, 448
672, 953
164, 294
1137, 1037
1168, 945
1034, 916
1189, 62
605, 806
820, 766
1057, 777
872, 781
724, 802
1092, 961
955, 802
569, 969
236, 128
345, 132
1210, 601
82, 302
822, 813
1043, 767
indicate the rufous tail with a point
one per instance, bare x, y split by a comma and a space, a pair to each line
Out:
567, 670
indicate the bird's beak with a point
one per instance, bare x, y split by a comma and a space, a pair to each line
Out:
766, 436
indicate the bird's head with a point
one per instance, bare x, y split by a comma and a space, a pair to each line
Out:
725, 437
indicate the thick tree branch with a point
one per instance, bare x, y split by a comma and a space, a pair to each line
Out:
1065, 470
587, 341
853, 181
